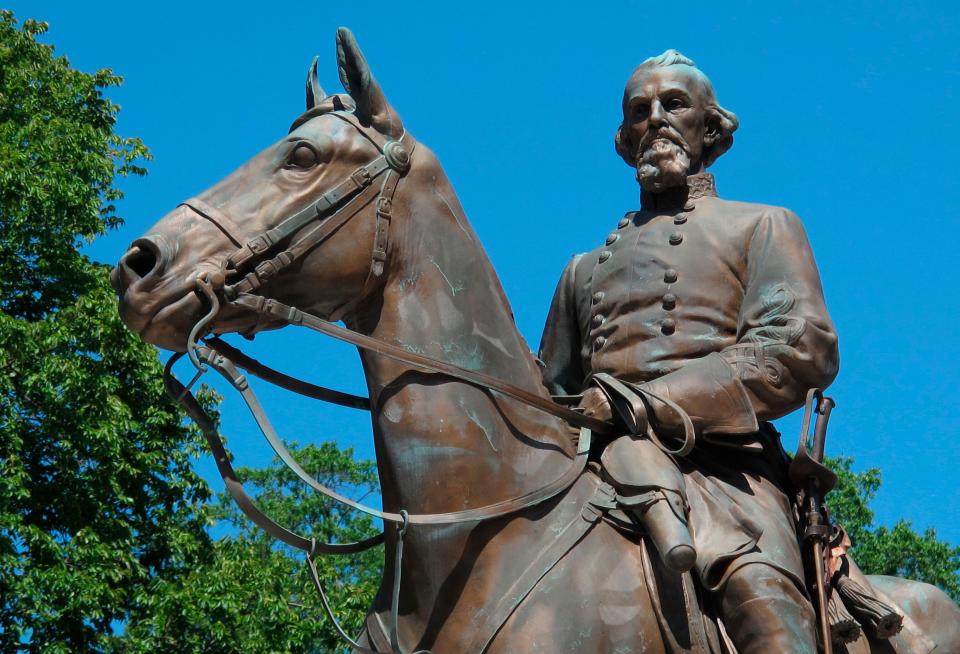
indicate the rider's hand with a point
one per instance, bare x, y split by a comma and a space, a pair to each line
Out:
595, 405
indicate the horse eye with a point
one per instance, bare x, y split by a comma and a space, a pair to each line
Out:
303, 156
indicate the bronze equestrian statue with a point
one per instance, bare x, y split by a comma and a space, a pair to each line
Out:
505, 535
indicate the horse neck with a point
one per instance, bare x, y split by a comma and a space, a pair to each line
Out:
442, 299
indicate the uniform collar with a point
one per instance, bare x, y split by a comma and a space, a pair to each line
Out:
698, 186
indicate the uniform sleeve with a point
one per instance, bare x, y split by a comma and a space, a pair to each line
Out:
786, 343
560, 344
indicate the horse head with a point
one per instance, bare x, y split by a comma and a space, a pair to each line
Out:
334, 160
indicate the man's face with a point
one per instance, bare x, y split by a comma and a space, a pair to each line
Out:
664, 109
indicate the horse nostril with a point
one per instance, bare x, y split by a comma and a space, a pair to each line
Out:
140, 261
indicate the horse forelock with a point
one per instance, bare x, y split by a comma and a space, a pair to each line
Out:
331, 103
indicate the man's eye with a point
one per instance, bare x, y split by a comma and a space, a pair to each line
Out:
303, 156
641, 111
675, 104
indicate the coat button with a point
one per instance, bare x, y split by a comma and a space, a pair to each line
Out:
612, 238
676, 238
679, 219
669, 301
670, 275
689, 206
599, 320
598, 296
668, 326
599, 342
606, 254
623, 222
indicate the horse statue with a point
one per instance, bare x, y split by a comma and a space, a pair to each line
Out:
502, 540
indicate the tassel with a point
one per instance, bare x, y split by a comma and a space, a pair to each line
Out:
843, 627
878, 620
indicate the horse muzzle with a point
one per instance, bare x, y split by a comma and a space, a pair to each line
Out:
154, 301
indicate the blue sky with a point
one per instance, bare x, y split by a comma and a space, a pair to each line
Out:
847, 115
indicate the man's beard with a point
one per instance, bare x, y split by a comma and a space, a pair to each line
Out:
661, 165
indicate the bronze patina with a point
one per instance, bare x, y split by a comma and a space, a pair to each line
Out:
504, 537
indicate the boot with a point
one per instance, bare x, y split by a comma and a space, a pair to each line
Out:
764, 612
650, 488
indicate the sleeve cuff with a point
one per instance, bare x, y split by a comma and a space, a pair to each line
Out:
710, 392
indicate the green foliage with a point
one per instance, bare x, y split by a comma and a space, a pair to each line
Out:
256, 596
97, 492
59, 158
105, 541
898, 551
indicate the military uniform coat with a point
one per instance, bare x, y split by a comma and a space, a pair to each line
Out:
718, 306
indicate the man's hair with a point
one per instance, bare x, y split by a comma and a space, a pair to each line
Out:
724, 121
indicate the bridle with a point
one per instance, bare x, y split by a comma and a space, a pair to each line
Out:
261, 259
332, 210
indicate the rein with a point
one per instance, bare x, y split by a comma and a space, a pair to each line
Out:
332, 211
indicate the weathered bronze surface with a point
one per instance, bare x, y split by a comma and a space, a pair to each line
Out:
692, 306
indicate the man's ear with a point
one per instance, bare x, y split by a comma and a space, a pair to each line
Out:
711, 131
372, 106
624, 145
718, 134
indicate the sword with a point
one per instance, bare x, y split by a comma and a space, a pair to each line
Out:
808, 473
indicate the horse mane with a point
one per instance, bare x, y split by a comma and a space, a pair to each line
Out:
331, 103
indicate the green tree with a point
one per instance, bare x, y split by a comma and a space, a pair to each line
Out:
59, 159
256, 596
97, 492
897, 550
104, 524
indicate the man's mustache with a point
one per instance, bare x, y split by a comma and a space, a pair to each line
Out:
664, 133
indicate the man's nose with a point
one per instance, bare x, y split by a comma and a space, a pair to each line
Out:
657, 115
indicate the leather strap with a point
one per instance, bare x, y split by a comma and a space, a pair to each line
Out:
223, 366
355, 191
235, 486
626, 397
381, 234
223, 222
482, 634
273, 309
358, 180
372, 135
287, 382
313, 238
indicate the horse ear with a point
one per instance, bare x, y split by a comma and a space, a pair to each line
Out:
315, 92
372, 106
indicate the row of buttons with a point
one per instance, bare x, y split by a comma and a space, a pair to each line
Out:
668, 301
598, 319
